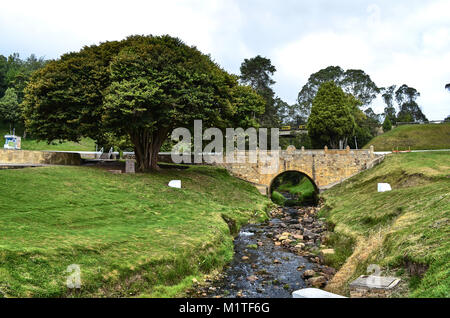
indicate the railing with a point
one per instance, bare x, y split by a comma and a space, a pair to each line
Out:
421, 122
288, 128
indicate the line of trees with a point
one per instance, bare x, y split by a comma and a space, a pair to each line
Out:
401, 102
136, 91
14, 75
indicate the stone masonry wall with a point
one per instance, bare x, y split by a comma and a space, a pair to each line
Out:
39, 157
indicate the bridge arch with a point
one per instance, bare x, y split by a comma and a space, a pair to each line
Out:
270, 188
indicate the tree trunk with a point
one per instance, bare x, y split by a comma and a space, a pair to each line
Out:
146, 148
334, 143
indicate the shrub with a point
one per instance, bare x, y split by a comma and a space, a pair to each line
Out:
387, 125
278, 198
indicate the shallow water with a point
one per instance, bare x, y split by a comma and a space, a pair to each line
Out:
270, 270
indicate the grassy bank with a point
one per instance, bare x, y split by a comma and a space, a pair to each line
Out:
405, 231
85, 144
131, 235
304, 189
416, 137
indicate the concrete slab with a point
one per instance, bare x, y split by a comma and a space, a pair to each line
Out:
314, 293
384, 187
378, 282
175, 184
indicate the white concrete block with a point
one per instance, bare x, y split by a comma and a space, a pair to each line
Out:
175, 184
384, 187
314, 293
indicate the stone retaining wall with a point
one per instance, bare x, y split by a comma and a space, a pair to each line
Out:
39, 157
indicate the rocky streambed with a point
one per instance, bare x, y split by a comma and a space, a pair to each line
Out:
274, 258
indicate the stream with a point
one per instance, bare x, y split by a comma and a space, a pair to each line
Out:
274, 258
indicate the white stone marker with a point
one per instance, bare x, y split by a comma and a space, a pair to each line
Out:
314, 293
175, 184
384, 187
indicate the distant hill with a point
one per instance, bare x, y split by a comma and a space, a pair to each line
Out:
418, 137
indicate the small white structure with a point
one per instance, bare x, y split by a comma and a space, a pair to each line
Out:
314, 293
384, 187
175, 184
12, 142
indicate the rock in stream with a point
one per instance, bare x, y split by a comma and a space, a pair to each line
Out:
274, 258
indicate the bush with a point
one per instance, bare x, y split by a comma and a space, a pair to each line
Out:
387, 125
278, 198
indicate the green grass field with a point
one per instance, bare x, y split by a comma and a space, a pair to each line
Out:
131, 235
405, 231
416, 137
86, 144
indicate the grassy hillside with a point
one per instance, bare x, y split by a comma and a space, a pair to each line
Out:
131, 235
86, 144
418, 137
405, 231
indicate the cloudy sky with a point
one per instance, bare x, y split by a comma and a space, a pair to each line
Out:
395, 42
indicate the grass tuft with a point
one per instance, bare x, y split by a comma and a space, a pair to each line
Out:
414, 137
407, 227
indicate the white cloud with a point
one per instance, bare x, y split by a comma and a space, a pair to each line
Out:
412, 49
74, 24
318, 50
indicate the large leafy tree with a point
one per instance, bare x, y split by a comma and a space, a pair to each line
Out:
409, 109
366, 123
355, 82
9, 107
257, 72
3, 71
360, 85
23, 73
331, 121
387, 93
249, 106
14, 75
15, 72
309, 90
141, 87
63, 100
284, 112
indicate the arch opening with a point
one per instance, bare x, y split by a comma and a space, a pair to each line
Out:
293, 188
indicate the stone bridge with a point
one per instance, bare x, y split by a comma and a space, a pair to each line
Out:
325, 168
